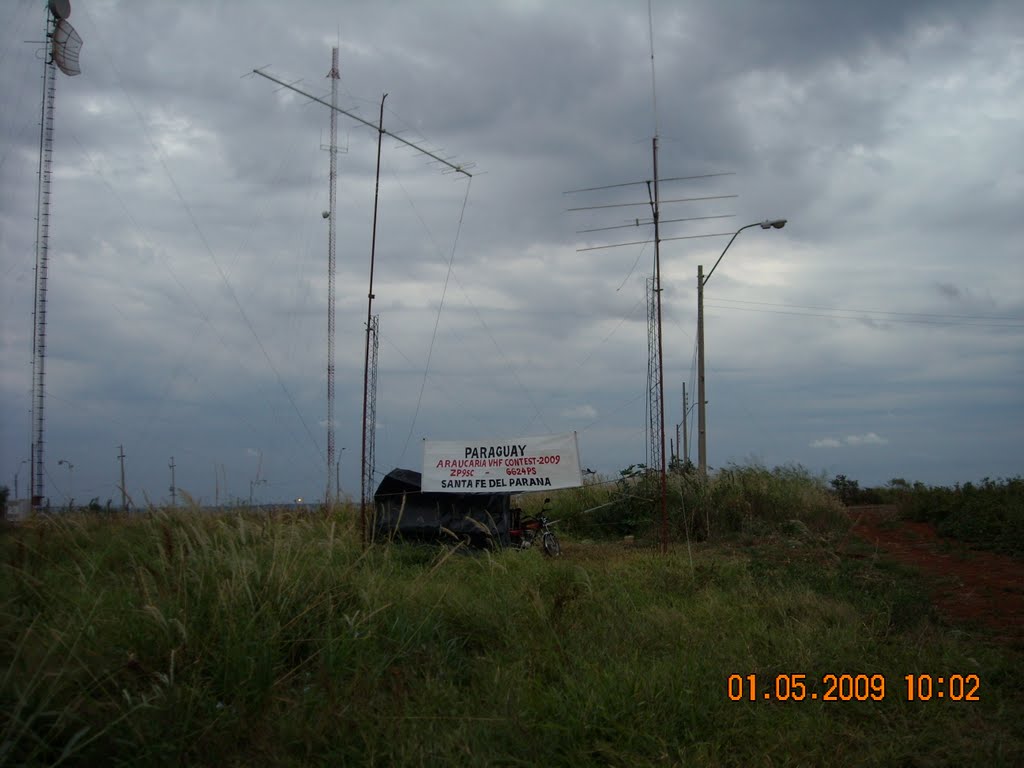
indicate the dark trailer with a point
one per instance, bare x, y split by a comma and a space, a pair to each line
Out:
404, 511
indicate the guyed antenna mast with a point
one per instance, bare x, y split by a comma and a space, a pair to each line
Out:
62, 48
332, 493
369, 393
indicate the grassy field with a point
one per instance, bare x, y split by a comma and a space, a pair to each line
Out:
236, 639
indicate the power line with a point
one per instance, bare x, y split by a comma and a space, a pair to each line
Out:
946, 320
877, 311
454, 275
201, 235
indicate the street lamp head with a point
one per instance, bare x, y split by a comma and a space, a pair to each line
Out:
769, 223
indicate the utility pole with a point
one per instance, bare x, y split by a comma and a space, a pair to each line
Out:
124, 495
174, 498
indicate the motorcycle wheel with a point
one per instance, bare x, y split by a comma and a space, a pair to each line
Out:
551, 546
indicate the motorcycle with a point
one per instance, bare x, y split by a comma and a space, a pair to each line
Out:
525, 531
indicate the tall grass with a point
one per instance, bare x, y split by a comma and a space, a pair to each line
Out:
187, 638
737, 499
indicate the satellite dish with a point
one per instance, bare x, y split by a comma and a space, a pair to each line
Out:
66, 46
60, 9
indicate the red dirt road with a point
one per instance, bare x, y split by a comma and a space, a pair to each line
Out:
970, 587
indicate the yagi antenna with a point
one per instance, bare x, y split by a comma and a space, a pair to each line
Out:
655, 428
369, 408
384, 131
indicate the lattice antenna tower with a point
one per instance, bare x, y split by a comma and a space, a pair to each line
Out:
370, 436
655, 423
63, 46
332, 492
654, 446
655, 411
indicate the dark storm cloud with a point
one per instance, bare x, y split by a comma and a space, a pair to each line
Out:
188, 288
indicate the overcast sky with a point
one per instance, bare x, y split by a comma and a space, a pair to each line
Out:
880, 334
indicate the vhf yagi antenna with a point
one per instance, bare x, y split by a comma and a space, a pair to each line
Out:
655, 380
655, 356
369, 394
63, 46
462, 168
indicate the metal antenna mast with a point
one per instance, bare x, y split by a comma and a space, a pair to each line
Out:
370, 434
653, 376
63, 45
655, 427
367, 458
366, 484
332, 492
660, 399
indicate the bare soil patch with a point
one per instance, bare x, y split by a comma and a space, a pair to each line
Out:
969, 587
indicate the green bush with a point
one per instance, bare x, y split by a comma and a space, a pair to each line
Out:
989, 514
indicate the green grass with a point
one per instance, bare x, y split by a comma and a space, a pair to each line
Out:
168, 639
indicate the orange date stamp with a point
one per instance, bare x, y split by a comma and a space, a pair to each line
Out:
847, 687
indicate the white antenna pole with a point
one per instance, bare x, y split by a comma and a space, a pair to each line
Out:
333, 149
654, 90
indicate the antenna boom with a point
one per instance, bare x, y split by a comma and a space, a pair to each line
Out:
367, 123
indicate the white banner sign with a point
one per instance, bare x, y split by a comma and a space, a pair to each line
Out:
514, 465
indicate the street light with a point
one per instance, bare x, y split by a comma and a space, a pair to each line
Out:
71, 479
702, 280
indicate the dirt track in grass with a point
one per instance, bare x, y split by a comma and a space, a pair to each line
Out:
970, 587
